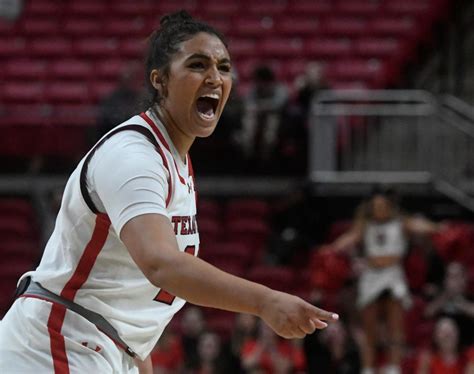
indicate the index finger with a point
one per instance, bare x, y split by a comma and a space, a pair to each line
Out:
322, 314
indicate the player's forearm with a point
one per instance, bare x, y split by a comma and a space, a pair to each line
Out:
201, 283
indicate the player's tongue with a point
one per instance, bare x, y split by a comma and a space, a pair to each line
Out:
205, 106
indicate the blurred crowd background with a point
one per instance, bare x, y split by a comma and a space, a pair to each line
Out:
345, 115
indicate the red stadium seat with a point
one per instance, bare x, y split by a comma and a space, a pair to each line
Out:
358, 7
420, 7
82, 27
392, 26
110, 68
324, 48
354, 69
209, 230
265, 7
278, 47
241, 47
23, 92
280, 278
377, 47
26, 114
26, 250
87, 8
132, 8
12, 47
62, 92
71, 69
337, 229
73, 115
133, 48
42, 8
310, 7
7, 28
236, 253
253, 232
96, 47
416, 269
127, 27
16, 206
216, 8
344, 26
22, 69
208, 209
247, 208
100, 89
39, 27
254, 26
221, 24
167, 6
302, 26
222, 325
16, 227
50, 47
245, 68
294, 68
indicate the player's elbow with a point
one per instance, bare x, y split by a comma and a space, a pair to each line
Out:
160, 269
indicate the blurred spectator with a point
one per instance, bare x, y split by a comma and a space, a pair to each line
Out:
294, 219
308, 85
382, 288
332, 351
245, 329
222, 142
269, 354
453, 302
192, 326
211, 359
446, 357
167, 356
10, 9
122, 103
263, 109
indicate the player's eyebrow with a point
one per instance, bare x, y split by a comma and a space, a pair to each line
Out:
203, 56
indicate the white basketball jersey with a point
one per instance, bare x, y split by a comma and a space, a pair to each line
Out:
85, 260
385, 239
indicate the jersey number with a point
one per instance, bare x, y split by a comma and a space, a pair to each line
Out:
166, 297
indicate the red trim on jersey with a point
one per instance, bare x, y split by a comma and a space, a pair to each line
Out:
58, 345
78, 278
191, 174
88, 258
158, 133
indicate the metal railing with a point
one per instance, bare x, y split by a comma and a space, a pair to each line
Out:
393, 136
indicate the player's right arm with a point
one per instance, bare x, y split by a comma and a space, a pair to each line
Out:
152, 244
129, 179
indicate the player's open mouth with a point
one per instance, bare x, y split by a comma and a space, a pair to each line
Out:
207, 105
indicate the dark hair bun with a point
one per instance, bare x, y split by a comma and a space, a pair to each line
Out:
177, 17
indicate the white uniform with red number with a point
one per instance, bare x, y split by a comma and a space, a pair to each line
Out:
383, 239
85, 260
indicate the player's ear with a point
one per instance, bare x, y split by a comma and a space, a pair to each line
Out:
158, 80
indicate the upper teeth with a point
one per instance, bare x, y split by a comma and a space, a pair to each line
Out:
212, 96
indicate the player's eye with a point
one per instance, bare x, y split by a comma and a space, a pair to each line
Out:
226, 68
197, 65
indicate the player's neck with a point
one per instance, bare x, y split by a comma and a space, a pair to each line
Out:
181, 141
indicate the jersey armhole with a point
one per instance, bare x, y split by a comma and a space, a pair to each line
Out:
85, 166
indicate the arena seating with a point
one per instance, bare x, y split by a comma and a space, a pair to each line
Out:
55, 54
19, 245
